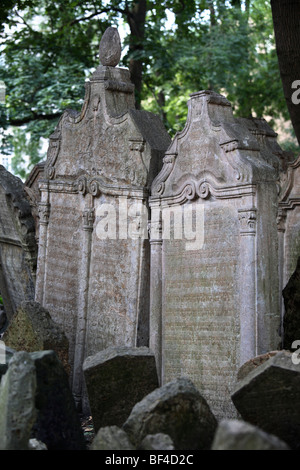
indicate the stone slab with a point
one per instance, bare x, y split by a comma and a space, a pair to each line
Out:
116, 379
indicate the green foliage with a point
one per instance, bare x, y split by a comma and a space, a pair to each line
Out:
50, 47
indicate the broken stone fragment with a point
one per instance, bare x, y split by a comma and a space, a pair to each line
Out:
291, 320
157, 441
177, 409
111, 438
268, 397
239, 435
34, 444
253, 363
110, 48
116, 379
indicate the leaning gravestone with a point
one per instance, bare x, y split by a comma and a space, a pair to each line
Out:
291, 319
57, 424
176, 409
268, 397
289, 222
116, 379
213, 236
93, 261
17, 403
32, 329
18, 248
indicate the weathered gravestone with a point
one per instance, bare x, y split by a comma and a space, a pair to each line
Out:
93, 263
291, 319
268, 397
57, 423
17, 403
116, 379
239, 435
288, 225
214, 289
176, 409
111, 438
18, 248
32, 329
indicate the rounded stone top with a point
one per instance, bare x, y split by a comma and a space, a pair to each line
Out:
110, 48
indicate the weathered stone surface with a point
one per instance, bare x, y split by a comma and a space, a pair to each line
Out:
57, 424
6, 354
34, 444
31, 187
212, 270
239, 435
291, 320
177, 409
111, 438
93, 261
288, 226
32, 329
157, 441
116, 379
18, 248
110, 48
17, 403
253, 363
268, 397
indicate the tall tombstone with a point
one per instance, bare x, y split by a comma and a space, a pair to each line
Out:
93, 263
18, 248
288, 224
213, 235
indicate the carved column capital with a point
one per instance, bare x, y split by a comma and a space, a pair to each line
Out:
247, 219
155, 232
281, 219
88, 219
44, 212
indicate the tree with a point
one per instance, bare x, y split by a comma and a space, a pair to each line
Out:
286, 18
50, 47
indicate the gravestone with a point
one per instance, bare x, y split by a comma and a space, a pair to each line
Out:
288, 226
17, 403
32, 329
93, 262
57, 423
268, 397
213, 235
291, 320
18, 248
239, 435
176, 409
116, 379
31, 187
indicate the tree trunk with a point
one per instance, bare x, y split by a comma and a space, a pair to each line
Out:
286, 19
136, 20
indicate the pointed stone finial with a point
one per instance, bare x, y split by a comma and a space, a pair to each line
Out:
110, 48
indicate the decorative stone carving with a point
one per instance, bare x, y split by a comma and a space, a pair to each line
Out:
211, 309
110, 48
288, 223
18, 248
93, 274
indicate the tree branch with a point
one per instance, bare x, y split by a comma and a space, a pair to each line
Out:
96, 13
33, 117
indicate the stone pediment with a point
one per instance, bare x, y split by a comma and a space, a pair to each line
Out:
290, 185
216, 150
109, 139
